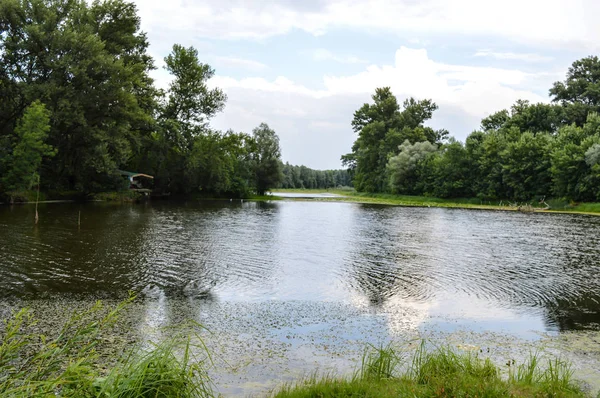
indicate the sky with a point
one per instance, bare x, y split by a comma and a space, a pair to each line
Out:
304, 66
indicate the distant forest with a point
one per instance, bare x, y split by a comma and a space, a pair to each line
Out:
299, 177
79, 106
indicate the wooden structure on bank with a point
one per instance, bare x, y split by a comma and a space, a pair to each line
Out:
139, 182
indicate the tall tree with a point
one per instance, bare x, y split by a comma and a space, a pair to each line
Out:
190, 103
88, 64
450, 172
381, 128
579, 94
527, 166
572, 172
266, 159
182, 126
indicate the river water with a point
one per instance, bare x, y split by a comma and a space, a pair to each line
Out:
286, 287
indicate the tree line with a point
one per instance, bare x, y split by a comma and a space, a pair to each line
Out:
525, 153
302, 177
78, 105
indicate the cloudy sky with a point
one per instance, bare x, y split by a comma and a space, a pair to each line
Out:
304, 66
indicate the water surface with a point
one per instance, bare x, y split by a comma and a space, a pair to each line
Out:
313, 281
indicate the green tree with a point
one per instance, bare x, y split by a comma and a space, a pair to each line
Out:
190, 103
217, 164
266, 159
535, 118
527, 166
381, 128
23, 164
495, 121
88, 64
402, 168
572, 173
450, 172
175, 153
491, 185
579, 94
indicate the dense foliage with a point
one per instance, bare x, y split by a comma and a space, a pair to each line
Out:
528, 152
78, 105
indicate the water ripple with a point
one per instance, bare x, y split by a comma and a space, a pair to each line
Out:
307, 251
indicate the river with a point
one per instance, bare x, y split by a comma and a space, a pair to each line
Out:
287, 287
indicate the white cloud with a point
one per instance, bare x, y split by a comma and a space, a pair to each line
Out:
561, 23
527, 57
314, 125
240, 63
322, 54
280, 84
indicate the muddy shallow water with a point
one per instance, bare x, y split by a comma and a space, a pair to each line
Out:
287, 287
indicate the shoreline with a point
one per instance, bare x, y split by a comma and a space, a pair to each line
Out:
232, 340
355, 197
416, 201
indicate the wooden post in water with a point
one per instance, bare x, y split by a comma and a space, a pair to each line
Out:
79, 220
37, 218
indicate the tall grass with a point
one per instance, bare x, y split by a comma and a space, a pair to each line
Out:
378, 364
168, 370
441, 372
69, 365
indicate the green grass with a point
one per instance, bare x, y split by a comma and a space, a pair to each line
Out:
69, 365
348, 195
585, 208
165, 371
121, 196
439, 373
264, 197
305, 190
23, 196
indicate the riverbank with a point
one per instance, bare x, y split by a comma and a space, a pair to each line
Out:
81, 357
342, 195
29, 197
329, 195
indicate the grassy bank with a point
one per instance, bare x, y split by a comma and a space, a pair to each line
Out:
557, 206
440, 373
71, 363
121, 196
328, 190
